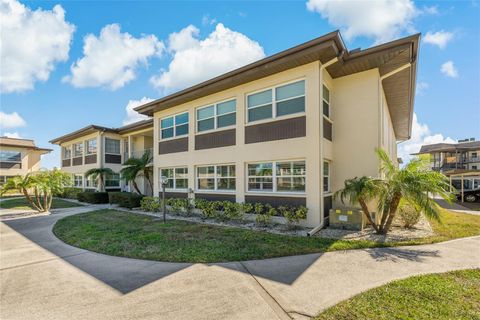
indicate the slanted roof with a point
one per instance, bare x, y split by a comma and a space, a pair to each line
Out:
143, 124
399, 87
449, 147
21, 143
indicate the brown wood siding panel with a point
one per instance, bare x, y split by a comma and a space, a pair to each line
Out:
10, 165
276, 130
169, 195
173, 146
92, 158
327, 130
216, 196
113, 158
78, 161
66, 162
219, 139
277, 201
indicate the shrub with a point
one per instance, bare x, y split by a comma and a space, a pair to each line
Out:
232, 210
93, 197
264, 213
246, 207
292, 214
125, 199
409, 215
176, 204
209, 209
151, 204
69, 193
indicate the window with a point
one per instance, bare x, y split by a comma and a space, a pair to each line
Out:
67, 152
217, 116
91, 182
216, 177
174, 126
474, 155
276, 102
112, 180
177, 178
78, 180
91, 146
326, 177
112, 146
4, 179
326, 101
78, 150
474, 167
11, 156
281, 176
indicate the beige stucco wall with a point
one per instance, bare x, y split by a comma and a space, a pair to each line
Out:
30, 161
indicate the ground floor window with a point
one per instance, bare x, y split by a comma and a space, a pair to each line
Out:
277, 176
177, 178
326, 177
78, 180
3, 180
112, 180
216, 177
91, 182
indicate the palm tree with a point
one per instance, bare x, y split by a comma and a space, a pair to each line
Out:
413, 183
100, 174
136, 167
361, 190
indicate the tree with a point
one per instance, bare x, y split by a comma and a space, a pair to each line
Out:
100, 174
39, 187
414, 183
137, 167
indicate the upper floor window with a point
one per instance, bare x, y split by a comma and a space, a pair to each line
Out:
276, 102
216, 116
91, 146
216, 177
474, 155
67, 152
174, 126
11, 156
326, 101
326, 177
177, 178
78, 149
281, 176
112, 146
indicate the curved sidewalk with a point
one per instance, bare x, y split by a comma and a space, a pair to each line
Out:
44, 278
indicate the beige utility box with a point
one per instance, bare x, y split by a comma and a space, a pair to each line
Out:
348, 218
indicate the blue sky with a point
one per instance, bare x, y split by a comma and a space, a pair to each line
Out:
57, 80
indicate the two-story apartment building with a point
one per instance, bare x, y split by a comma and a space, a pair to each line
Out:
287, 129
460, 161
101, 147
19, 157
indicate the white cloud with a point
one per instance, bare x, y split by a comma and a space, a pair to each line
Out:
111, 59
421, 135
11, 135
31, 42
448, 68
196, 60
11, 120
433, 10
439, 38
380, 20
206, 20
132, 115
421, 87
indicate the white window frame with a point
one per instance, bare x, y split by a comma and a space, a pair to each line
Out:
274, 103
93, 180
173, 178
73, 150
63, 152
274, 178
174, 126
75, 175
215, 178
16, 161
87, 153
215, 116
109, 178
329, 118
119, 145
329, 176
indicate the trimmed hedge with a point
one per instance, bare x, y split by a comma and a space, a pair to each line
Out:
93, 197
69, 193
128, 200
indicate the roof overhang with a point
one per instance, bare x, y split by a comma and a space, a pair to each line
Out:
399, 86
140, 125
81, 132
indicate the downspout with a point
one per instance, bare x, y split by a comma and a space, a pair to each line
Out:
322, 68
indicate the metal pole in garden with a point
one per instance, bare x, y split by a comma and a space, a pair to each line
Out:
163, 181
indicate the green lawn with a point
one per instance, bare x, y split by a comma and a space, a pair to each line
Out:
444, 296
22, 203
138, 236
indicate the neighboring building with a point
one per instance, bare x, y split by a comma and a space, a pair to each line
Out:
102, 147
288, 129
456, 160
19, 157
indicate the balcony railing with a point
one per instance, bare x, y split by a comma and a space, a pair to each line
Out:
137, 153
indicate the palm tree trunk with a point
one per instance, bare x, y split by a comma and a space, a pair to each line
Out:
393, 210
50, 200
135, 186
367, 214
37, 199
149, 181
100, 182
29, 199
45, 201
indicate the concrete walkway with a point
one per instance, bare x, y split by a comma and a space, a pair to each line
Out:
43, 278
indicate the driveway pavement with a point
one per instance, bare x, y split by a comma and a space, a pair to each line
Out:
43, 278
